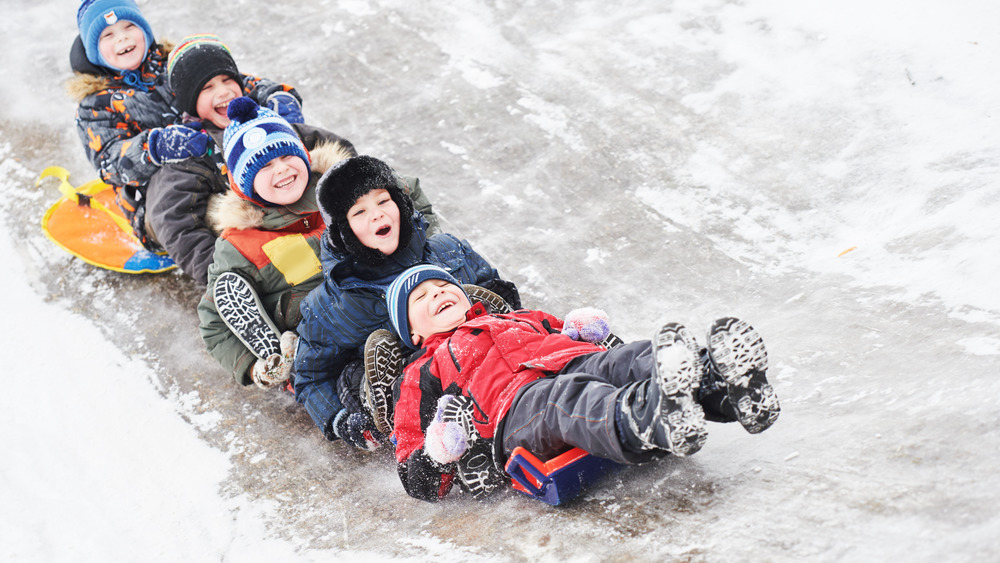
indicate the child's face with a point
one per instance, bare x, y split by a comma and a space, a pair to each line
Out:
374, 218
123, 45
282, 181
214, 98
435, 306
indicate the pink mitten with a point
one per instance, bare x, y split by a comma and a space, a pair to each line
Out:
587, 324
445, 442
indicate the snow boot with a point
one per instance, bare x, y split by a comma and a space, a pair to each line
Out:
661, 413
241, 310
383, 365
476, 470
735, 385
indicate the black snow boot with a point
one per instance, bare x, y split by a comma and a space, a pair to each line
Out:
243, 313
734, 386
661, 413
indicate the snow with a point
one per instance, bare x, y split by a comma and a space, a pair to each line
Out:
826, 170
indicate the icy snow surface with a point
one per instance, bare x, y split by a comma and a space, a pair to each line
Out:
828, 171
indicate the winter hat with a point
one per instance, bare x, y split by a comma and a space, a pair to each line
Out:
255, 137
338, 190
195, 61
397, 296
95, 15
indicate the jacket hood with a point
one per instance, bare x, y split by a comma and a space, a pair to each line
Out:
232, 211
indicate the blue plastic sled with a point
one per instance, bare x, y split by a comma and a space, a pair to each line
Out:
559, 479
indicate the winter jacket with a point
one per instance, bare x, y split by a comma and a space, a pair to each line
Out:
489, 358
114, 118
179, 194
276, 249
340, 314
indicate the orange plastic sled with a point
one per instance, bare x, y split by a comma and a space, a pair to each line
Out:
87, 223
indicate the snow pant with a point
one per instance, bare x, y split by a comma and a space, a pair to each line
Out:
578, 407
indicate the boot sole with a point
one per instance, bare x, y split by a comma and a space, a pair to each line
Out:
383, 365
242, 311
737, 351
675, 352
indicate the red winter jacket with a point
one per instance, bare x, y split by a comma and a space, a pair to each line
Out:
488, 358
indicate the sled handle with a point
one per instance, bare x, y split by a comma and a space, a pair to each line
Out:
90, 188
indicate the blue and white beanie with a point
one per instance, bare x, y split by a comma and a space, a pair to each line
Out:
397, 296
254, 137
95, 15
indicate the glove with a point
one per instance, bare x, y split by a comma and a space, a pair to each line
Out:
357, 429
175, 143
587, 324
277, 368
445, 440
285, 105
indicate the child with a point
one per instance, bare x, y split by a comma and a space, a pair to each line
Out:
373, 235
270, 227
495, 382
205, 78
126, 117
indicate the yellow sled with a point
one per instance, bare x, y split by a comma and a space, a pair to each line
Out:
87, 223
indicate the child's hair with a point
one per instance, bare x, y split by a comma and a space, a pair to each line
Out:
254, 137
398, 294
195, 61
341, 186
95, 15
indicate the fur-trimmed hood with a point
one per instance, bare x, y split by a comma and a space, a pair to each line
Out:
230, 211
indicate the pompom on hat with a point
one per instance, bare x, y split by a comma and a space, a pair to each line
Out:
254, 137
397, 296
195, 61
95, 15
341, 186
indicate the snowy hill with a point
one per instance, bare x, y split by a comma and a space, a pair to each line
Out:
828, 172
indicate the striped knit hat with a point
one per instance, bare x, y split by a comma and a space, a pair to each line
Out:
255, 137
95, 15
195, 61
397, 296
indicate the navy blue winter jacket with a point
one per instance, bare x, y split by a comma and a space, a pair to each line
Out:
340, 314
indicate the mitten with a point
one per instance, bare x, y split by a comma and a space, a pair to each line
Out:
285, 105
445, 440
357, 429
175, 143
276, 368
587, 324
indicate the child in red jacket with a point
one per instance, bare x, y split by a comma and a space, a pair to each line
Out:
487, 383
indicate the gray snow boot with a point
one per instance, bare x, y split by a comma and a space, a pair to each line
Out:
243, 313
734, 386
661, 413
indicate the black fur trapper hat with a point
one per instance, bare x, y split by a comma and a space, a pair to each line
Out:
341, 186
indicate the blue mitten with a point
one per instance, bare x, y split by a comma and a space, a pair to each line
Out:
285, 105
357, 429
588, 324
175, 143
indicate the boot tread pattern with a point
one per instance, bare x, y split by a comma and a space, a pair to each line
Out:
737, 352
383, 364
241, 310
677, 373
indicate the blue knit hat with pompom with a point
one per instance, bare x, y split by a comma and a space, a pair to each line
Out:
254, 137
95, 15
